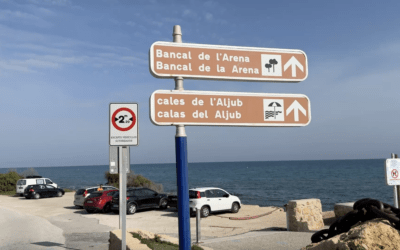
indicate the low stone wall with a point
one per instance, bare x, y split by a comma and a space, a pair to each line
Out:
304, 215
133, 243
341, 209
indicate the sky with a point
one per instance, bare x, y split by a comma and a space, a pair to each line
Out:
62, 62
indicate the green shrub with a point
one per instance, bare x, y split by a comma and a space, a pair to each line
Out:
133, 180
9, 180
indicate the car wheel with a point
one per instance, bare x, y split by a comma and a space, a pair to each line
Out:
36, 196
115, 211
163, 204
107, 208
27, 197
131, 208
59, 194
205, 211
235, 207
89, 211
21, 194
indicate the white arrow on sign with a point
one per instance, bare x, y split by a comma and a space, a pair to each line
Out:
295, 107
293, 62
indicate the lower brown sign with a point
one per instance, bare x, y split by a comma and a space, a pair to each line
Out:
171, 107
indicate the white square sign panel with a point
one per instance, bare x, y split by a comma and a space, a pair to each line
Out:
392, 168
124, 125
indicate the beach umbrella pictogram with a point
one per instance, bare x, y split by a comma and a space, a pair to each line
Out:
274, 104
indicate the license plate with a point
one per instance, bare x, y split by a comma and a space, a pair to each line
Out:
89, 202
115, 205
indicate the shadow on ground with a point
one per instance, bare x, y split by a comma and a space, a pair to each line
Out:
73, 208
51, 244
268, 229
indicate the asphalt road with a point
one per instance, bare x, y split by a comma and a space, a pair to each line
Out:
22, 231
54, 223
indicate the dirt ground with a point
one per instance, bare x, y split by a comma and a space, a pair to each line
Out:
160, 221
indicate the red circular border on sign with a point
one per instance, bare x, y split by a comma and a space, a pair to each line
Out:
395, 173
115, 124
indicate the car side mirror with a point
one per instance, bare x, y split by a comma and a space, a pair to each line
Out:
226, 195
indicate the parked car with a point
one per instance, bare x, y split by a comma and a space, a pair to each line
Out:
140, 198
40, 191
83, 193
99, 201
209, 200
32, 180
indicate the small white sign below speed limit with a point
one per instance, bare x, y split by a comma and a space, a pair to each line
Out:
124, 126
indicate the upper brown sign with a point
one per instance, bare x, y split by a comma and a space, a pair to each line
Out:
201, 61
172, 107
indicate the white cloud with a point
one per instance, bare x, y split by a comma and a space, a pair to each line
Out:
130, 23
209, 16
187, 12
52, 2
172, 20
159, 24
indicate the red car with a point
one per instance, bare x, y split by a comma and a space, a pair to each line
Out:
99, 201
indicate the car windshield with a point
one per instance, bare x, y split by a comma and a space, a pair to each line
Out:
80, 191
192, 194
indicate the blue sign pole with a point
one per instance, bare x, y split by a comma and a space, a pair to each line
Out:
182, 168
183, 188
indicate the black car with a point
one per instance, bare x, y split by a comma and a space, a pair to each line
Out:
39, 191
140, 198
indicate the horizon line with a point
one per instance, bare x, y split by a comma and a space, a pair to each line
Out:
197, 162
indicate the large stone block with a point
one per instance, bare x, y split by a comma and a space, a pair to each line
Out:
131, 242
343, 208
370, 235
304, 215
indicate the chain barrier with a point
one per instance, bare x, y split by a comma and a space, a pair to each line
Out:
363, 210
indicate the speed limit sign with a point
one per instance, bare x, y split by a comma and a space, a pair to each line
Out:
124, 124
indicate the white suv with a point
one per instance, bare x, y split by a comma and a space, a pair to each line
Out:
212, 199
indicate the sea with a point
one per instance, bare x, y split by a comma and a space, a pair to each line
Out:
263, 183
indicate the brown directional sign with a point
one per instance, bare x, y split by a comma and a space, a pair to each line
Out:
200, 61
171, 107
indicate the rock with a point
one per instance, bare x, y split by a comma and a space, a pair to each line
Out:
304, 215
370, 235
131, 243
343, 208
143, 233
135, 244
168, 239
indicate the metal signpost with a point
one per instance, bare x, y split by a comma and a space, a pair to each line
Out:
392, 170
200, 61
124, 132
114, 160
228, 109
